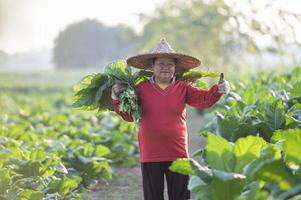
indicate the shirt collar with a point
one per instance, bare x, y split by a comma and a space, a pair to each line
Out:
173, 80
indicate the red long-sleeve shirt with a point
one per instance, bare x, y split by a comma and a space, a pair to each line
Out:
162, 134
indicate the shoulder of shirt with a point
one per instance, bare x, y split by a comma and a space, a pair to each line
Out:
143, 83
181, 82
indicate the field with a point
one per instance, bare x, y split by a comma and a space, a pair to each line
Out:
49, 150
37, 114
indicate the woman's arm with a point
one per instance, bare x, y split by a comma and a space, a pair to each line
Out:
117, 89
199, 98
124, 115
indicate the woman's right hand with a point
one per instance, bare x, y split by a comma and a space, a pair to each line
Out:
117, 89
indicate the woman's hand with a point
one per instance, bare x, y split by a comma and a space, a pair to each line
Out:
117, 89
223, 85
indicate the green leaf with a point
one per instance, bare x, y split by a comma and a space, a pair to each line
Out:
227, 176
227, 125
61, 168
192, 76
182, 166
291, 193
84, 83
101, 90
296, 90
191, 167
201, 84
276, 172
105, 103
269, 167
254, 192
30, 168
226, 186
202, 172
142, 75
268, 154
248, 96
63, 186
218, 153
106, 170
101, 150
195, 184
90, 91
37, 154
31, 195
221, 185
274, 115
4, 157
5, 180
246, 150
292, 146
118, 69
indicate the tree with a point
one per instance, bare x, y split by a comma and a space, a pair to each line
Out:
3, 58
91, 44
217, 32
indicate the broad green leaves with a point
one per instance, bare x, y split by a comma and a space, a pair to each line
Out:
182, 166
210, 183
192, 76
218, 152
63, 186
241, 169
94, 91
222, 155
246, 150
49, 151
120, 71
274, 115
5, 180
261, 105
290, 140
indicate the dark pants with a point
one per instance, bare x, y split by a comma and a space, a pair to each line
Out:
153, 182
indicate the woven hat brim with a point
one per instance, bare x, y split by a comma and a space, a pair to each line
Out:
183, 62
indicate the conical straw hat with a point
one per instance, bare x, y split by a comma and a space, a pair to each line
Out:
163, 49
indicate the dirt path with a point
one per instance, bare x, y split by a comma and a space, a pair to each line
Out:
127, 182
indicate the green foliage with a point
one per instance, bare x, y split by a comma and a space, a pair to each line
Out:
290, 142
90, 93
191, 76
253, 148
212, 31
94, 91
204, 22
260, 106
249, 166
89, 43
49, 150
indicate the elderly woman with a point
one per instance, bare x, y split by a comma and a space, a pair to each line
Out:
163, 132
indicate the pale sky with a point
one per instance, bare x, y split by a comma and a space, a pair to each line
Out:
33, 24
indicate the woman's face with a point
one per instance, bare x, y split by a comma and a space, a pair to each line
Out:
164, 69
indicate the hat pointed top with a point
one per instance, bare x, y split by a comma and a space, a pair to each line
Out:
163, 47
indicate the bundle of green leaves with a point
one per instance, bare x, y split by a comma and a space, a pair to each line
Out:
94, 91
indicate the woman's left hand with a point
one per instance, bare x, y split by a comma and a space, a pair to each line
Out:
223, 85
